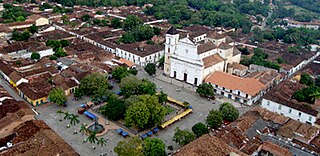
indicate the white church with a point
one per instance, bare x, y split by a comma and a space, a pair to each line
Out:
195, 52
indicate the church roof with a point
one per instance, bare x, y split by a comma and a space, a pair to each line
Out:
172, 31
207, 46
212, 60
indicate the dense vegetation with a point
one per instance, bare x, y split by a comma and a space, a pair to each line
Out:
13, 14
312, 5
260, 58
308, 94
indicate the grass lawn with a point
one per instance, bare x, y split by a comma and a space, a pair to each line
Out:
169, 109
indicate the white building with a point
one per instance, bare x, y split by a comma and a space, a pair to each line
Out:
243, 90
194, 53
25, 49
140, 53
279, 100
309, 25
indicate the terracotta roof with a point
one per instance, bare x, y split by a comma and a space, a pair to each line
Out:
224, 46
35, 90
15, 76
19, 23
36, 138
275, 149
282, 94
246, 85
212, 60
34, 17
6, 68
297, 130
205, 47
215, 35
4, 28
238, 66
141, 49
127, 62
197, 30
271, 116
207, 145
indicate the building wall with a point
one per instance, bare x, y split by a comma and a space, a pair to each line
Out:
142, 61
216, 67
44, 53
42, 21
193, 71
170, 48
287, 111
69, 91
20, 26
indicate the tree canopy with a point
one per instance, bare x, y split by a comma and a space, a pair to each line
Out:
133, 86
306, 79
154, 147
115, 108
58, 96
200, 129
94, 84
214, 119
119, 73
183, 137
205, 90
150, 68
35, 56
145, 111
229, 112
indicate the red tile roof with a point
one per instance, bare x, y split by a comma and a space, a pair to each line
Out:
246, 85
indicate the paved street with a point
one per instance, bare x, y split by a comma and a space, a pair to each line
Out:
201, 106
9, 89
173, 88
49, 115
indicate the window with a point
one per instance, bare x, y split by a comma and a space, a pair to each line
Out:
290, 110
223, 88
168, 50
238, 92
230, 91
169, 40
279, 107
246, 95
186, 51
268, 103
299, 114
310, 118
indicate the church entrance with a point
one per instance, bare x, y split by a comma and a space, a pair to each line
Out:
185, 76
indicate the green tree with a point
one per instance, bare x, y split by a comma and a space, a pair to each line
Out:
317, 81
93, 84
101, 142
92, 138
78, 93
154, 147
150, 68
205, 90
163, 97
60, 52
183, 137
58, 96
133, 71
130, 86
131, 22
33, 29
84, 129
214, 119
74, 119
229, 112
128, 37
306, 79
35, 56
145, 111
199, 129
119, 73
85, 17
114, 109
314, 96
20, 36
116, 23
129, 147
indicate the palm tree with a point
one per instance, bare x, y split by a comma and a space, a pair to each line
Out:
102, 142
83, 129
92, 138
74, 119
60, 112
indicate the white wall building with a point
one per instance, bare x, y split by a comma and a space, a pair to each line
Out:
243, 90
279, 100
139, 53
192, 54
